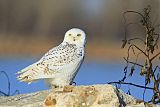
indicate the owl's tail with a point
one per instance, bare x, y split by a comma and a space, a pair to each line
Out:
29, 74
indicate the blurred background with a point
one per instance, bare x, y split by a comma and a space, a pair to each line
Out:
28, 29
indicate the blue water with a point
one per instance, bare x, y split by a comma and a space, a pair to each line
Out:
91, 72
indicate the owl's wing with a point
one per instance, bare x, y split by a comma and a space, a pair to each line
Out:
50, 64
31, 73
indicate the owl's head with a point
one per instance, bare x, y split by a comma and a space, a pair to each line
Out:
75, 36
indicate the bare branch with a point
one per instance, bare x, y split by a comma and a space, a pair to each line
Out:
155, 56
140, 49
2, 93
150, 41
137, 39
131, 84
133, 62
9, 86
134, 12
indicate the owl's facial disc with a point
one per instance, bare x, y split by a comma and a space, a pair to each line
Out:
75, 36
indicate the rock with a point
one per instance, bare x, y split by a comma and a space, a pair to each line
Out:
25, 100
74, 96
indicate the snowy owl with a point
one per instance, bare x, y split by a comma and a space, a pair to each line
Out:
59, 66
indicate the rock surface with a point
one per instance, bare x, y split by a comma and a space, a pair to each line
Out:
74, 96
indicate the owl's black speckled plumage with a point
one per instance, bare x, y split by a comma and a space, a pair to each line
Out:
63, 54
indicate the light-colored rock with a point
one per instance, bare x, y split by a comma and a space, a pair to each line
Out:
25, 100
89, 96
74, 96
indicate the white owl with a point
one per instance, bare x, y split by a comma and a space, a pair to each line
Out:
59, 66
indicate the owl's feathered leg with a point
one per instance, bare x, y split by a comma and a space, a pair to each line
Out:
55, 88
63, 89
58, 89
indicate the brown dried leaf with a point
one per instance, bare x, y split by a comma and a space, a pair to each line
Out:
143, 70
124, 43
132, 70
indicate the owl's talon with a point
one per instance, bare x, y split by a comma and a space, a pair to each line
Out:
73, 83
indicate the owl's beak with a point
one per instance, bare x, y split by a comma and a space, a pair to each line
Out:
74, 39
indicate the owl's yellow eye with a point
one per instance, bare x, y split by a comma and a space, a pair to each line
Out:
78, 34
70, 34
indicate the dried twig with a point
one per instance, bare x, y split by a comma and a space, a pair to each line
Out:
148, 71
9, 86
140, 86
133, 62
